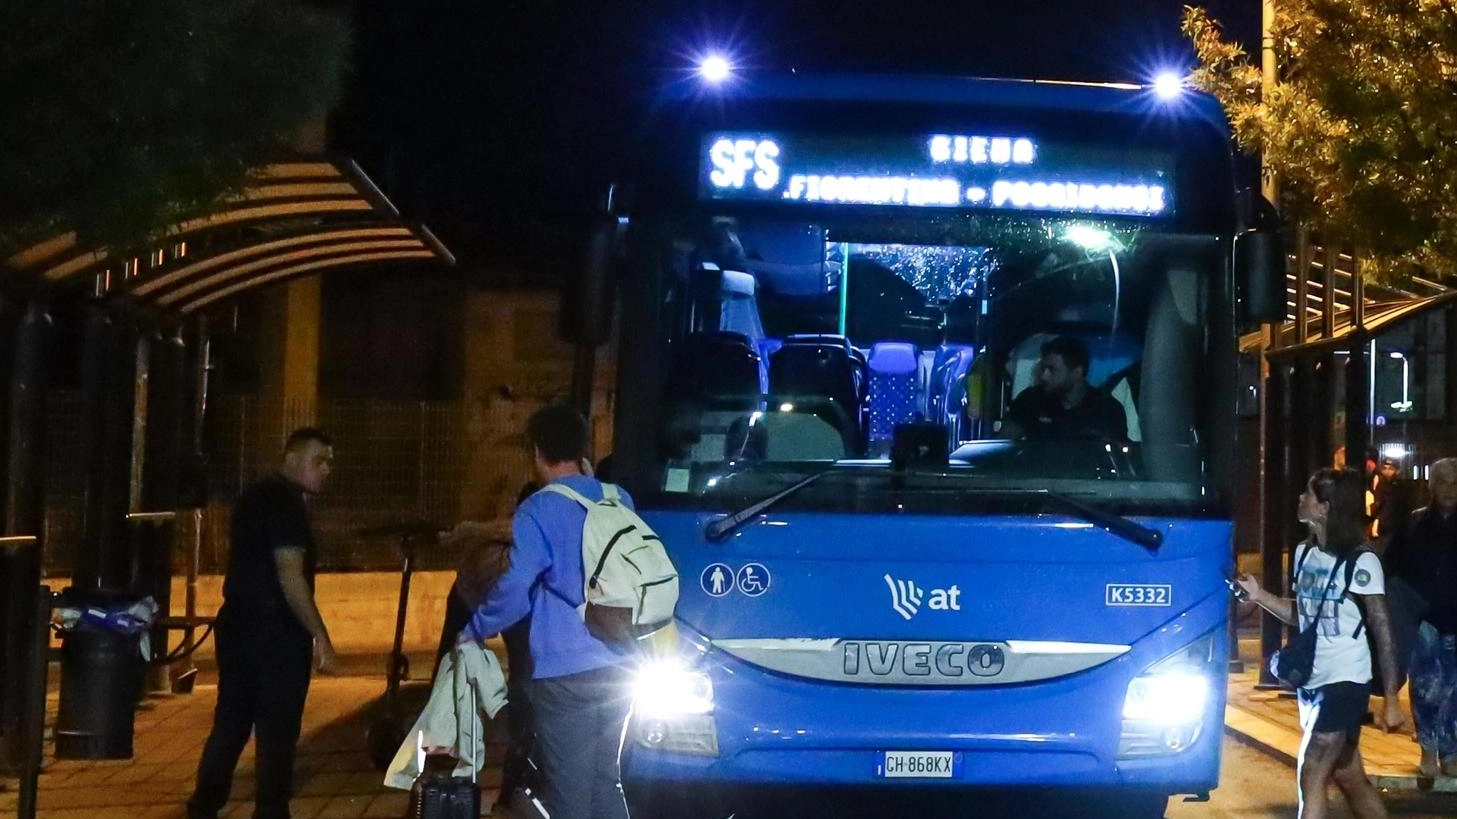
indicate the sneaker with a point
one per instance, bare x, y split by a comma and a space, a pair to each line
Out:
1428, 766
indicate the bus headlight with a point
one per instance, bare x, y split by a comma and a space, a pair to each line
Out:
1165, 706
664, 689
673, 709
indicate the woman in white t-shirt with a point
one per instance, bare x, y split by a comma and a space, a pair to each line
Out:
1334, 701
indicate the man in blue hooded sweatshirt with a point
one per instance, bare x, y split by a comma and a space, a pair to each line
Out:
579, 690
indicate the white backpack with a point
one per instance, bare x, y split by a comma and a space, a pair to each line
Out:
629, 583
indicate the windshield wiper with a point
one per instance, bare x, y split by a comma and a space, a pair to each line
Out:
1113, 524
725, 526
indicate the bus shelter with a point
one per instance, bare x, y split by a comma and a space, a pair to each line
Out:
143, 315
1335, 382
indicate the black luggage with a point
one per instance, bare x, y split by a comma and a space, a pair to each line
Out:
442, 796
439, 794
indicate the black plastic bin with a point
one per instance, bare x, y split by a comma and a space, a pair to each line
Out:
102, 671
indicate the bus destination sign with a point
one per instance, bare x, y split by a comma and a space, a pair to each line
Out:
987, 172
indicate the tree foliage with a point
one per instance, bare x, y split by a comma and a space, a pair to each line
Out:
1361, 128
120, 117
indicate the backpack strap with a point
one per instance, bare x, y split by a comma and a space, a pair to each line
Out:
1355, 598
1295, 575
568, 492
610, 493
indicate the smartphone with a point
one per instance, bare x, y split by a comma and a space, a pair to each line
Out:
1239, 593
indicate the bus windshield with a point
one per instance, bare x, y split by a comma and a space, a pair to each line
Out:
1051, 352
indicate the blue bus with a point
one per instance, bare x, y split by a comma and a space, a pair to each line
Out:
832, 291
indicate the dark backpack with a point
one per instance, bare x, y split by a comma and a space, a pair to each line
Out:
1396, 608
1295, 661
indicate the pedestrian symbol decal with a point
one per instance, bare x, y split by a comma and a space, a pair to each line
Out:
717, 579
753, 579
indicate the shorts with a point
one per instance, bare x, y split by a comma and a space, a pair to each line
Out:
1338, 707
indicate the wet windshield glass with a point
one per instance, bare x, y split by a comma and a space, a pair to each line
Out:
1045, 352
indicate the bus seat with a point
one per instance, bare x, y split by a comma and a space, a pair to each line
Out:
739, 310
721, 369
893, 394
946, 387
824, 369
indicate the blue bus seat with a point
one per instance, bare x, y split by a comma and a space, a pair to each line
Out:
893, 394
947, 386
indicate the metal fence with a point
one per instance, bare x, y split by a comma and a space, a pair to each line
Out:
395, 461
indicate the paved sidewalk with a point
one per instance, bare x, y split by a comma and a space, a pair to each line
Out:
1270, 720
334, 777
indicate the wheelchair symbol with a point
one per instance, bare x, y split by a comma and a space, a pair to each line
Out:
753, 579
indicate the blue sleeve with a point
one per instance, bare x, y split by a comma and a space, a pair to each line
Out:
510, 599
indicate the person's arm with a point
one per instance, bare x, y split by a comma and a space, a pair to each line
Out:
289, 561
1378, 622
1368, 591
510, 598
1282, 607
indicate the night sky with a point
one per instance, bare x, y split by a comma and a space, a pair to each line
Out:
495, 120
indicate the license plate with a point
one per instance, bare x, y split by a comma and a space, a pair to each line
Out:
918, 764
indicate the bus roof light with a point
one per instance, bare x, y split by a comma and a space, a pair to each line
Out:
1168, 85
715, 68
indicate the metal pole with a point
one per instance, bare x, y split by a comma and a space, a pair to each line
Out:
117, 562
137, 540
1357, 400
201, 369
97, 333
24, 511
1272, 574
1269, 76
1270, 398
32, 733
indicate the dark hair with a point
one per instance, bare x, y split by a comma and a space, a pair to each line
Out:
559, 432
301, 437
1345, 491
1073, 352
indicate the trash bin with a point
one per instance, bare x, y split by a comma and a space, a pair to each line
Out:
103, 665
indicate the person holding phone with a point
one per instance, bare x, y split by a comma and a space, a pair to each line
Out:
1334, 700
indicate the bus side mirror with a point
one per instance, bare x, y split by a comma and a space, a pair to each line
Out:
1259, 264
586, 299
1259, 259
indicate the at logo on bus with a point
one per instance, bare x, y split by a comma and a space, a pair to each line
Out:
906, 597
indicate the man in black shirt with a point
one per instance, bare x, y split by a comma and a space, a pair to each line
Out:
269, 633
1062, 405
